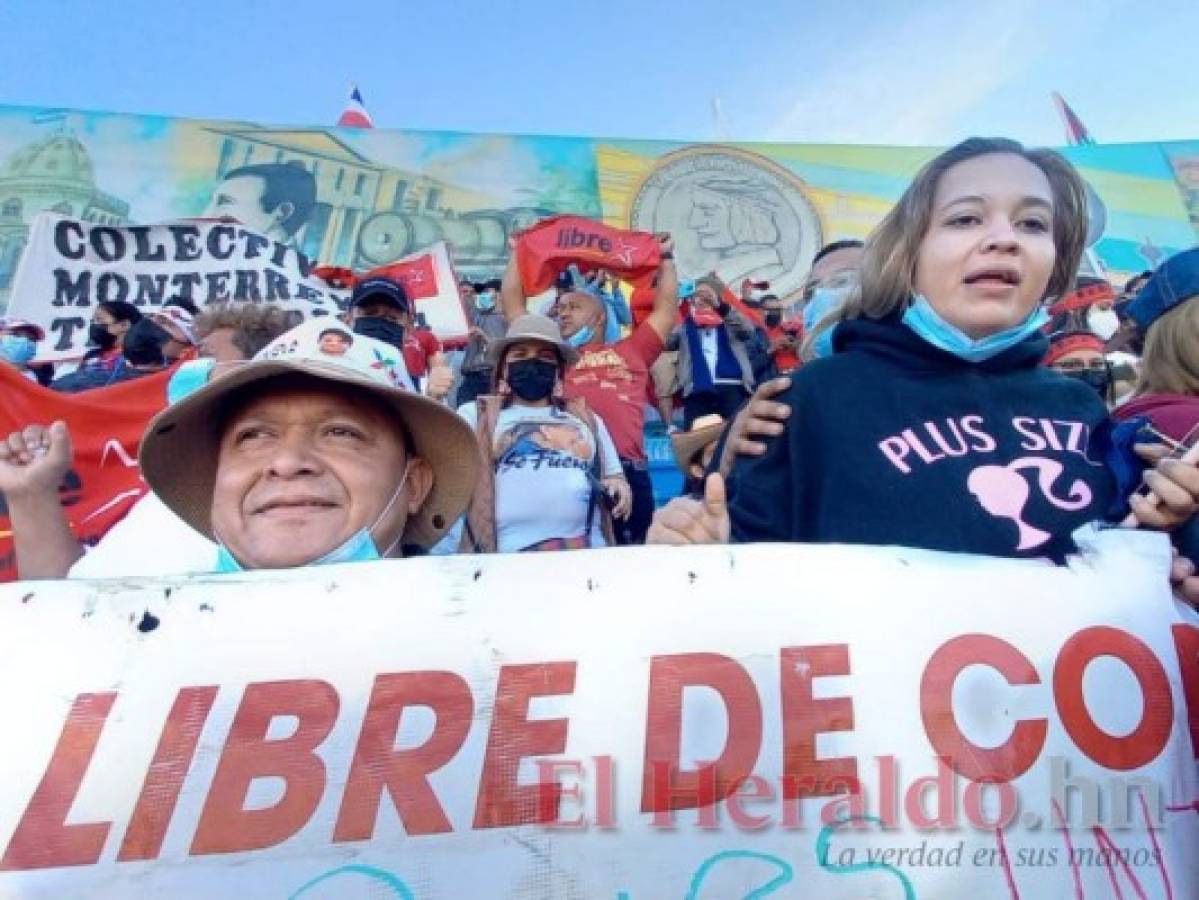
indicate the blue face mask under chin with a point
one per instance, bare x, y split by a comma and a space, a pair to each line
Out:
929, 325
582, 337
189, 378
359, 547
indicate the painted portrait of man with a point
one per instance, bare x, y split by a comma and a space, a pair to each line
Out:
274, 199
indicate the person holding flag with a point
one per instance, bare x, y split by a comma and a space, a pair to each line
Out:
612, 378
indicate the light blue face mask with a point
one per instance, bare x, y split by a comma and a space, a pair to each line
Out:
823, 345
582, 337
485, 301
823, 303
928, 324
360, 547
189, 378
17, 349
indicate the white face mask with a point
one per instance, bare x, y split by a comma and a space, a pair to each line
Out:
1103, 323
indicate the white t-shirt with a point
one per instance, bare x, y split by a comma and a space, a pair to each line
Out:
150, 540
542, 457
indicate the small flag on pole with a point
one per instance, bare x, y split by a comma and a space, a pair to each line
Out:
355, 114
1076, 132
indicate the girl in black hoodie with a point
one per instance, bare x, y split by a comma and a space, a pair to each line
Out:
933, 425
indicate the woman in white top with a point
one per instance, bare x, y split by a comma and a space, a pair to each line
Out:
551, 475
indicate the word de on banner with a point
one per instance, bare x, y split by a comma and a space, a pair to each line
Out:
106, 426
548, 247
432, 286
71, 265
630, 722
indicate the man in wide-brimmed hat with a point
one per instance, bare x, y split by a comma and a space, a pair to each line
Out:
307, 457
693, 450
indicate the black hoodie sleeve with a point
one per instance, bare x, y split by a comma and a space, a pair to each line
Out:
763, 491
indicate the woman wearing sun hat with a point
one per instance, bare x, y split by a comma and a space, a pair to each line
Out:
550, 473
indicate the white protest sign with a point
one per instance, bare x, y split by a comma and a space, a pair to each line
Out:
71, 265
429, 280
428, 728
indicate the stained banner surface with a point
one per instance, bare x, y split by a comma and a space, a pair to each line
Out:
827, 722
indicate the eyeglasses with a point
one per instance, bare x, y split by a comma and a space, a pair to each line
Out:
1077, 365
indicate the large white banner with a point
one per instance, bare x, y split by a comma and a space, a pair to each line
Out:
788, 721
71, 265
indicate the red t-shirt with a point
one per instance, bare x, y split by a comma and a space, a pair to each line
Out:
419, 345
613, 379
785, 360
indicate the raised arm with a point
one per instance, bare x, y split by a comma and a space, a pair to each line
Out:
666, 299
512, 292
32, 465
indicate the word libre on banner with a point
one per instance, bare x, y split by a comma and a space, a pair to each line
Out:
106, 426
546, 248
1034, 735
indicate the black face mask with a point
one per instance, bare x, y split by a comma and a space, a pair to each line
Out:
381, 329
143, 344
1100, 380
773, 319
100, 336
532, 379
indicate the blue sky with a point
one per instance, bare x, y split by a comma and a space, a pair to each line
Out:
856, 72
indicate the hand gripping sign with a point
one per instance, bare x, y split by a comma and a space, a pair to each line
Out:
641, 722
549, 246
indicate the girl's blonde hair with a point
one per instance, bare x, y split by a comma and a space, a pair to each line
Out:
1170, 359
888, 269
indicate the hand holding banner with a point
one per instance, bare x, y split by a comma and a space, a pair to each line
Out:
545, 250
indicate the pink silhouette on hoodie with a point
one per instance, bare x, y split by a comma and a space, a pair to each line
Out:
1003, 492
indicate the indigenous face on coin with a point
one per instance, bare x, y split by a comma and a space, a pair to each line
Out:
732, 212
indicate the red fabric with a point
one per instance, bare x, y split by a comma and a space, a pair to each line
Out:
106, 427
784, 360
1072, 344
419, 346
613, 380
1174, 415
552, 244
1083, 297
417, 275
753, 315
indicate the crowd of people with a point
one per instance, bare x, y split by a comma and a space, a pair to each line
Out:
950, 383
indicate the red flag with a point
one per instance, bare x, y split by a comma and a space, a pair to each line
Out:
106, 427
415, 273
552, 244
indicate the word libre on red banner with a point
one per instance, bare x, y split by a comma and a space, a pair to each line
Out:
548, 247
677, 723
106, 426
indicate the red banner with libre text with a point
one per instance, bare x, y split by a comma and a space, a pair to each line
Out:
552, 244
106, 426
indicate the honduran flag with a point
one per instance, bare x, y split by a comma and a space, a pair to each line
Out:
1076, 132
355, 114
